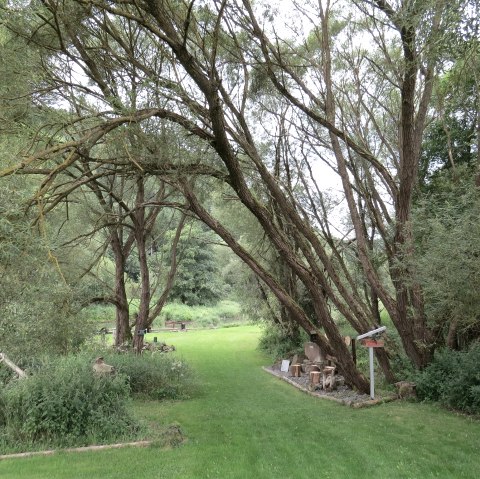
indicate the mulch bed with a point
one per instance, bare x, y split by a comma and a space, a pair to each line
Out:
343, 394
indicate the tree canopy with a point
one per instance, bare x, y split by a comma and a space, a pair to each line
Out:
259, 102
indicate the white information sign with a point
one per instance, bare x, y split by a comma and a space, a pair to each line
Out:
285, 365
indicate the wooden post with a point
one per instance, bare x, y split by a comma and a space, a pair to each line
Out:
296, 370
315, 377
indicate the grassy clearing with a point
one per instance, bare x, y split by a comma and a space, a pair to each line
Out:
248, 424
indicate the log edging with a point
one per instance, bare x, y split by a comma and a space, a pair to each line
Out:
51, 452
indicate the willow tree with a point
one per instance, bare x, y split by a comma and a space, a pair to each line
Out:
222, 73
121, 212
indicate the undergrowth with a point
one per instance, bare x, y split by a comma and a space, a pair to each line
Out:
155, 375
452, 379
64, 404
279, 343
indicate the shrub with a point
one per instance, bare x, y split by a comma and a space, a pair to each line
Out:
432, 381
155, 375
278, 343
453, 379
64, 403
228, 310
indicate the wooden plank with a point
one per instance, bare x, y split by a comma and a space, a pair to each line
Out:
372, 343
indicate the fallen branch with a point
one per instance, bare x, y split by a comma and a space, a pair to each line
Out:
21, 373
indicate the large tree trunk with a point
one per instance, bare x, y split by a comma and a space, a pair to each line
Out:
141, 323
409, 317
122, 325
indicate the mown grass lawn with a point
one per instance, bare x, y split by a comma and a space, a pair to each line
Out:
248, 424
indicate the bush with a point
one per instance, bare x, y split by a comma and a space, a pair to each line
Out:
433, 380
278, 343
155, 375
63, 403
453, 379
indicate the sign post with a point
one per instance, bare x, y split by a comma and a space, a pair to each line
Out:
372, 373
370, 344
370, 341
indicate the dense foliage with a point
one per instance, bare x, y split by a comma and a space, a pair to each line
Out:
197, 281
155, 375
453, 379
64, 403
39, 300
150, 106
278, 343
225, 312
447, 261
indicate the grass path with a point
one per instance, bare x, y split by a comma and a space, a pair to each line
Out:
248, 424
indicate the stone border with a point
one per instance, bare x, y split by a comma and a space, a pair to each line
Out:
77, 449
345, 402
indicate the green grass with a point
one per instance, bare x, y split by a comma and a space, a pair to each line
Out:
248, 424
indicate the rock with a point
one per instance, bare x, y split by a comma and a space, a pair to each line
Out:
312, 352
123, 348
101, 368
405, 389
314, 387
342, 393
319, 364
329, 383
277, 364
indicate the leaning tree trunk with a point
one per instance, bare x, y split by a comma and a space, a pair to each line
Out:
334, 345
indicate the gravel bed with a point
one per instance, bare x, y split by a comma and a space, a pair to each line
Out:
343, 394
